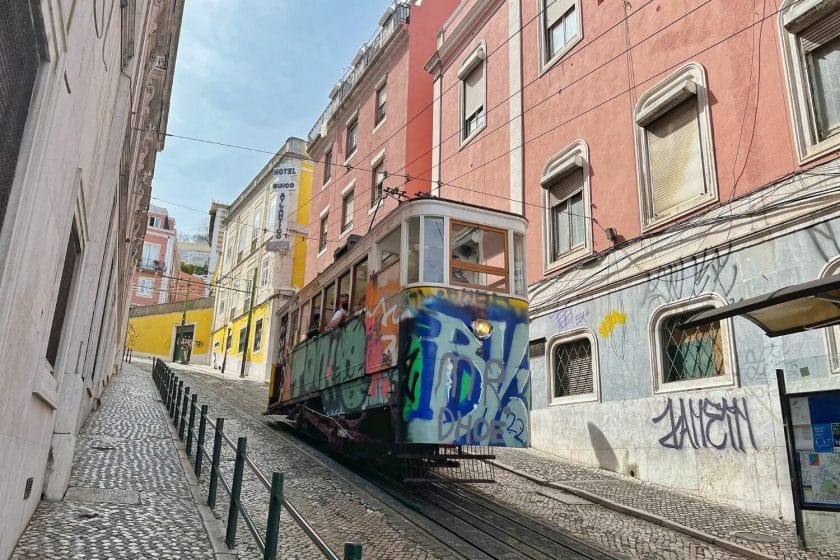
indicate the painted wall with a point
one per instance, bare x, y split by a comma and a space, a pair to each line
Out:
724, 443
258, 364
154, 334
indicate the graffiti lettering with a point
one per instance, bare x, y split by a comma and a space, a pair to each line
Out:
706, 423
567, 318
706, 271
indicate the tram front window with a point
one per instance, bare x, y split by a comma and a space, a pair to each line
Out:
478, 257
432, 249
389, 259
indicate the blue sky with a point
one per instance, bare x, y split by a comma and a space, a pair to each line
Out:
251, 73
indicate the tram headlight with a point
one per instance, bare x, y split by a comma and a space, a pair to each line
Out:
482, 328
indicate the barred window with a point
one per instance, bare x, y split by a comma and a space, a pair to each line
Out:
691, 353
572, 368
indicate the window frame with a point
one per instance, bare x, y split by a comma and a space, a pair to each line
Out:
155, 221
570, 159
686, 82
831, 335
265, 271
256, 345
545, 60
377, 190
328, 164
475, 59
323, 229
795, 17
657, 348
475, 267
348, 193
351, 126
566, 338
379, 104
145, 289
242, 341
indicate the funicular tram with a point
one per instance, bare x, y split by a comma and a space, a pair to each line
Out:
429, 367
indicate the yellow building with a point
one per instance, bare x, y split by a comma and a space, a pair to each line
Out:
153, 329
262, 262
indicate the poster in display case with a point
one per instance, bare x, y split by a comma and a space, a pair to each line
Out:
815, 419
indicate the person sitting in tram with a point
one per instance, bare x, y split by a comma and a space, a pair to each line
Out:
313, 326
341, 313
458, 273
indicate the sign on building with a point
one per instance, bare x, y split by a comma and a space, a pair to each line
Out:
286, 182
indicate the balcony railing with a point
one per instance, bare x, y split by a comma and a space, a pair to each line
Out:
366, 55
150, 264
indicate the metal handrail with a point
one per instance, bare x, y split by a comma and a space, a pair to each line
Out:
176, 399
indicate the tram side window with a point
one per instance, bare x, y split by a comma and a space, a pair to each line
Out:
389, 259
317, 315
433, 249
329, 303
294, 328
478, 257
344, 285
283, 331
413, 257
520, 285
360, 276
305, 318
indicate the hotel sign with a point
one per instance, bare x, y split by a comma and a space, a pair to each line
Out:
286, 181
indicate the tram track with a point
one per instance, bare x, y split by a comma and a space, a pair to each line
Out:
467, 524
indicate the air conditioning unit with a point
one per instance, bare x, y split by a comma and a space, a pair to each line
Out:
160, 62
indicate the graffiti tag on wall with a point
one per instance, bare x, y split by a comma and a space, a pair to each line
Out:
704, 423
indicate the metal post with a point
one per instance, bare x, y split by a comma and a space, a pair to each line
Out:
275, 506
167, 398
235, 490
227, 348
191, 423
352, 551
199, 445
176, 401
787, 426
214, 462
183, 423
245, 352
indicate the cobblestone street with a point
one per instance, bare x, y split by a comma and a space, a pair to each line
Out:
341, 511
128, 494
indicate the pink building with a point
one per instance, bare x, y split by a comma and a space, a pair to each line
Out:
159, 265
670, 157
376, 131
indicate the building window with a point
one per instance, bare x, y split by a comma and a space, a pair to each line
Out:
241, 252
347, 211
811, 40
228, 341
66, 287
258, 328
322, 233
249, 287
560, 29
695, 356
567, 218
272, 211
266, 266
144, 287
571, 368
229, 239
243, 340
151, 256
328, 156
154, 221
673, 136
234, 303
381, 95
257, 227
221, 305
350, 143
378, 179
472, 77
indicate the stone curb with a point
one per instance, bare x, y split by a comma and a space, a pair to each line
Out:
647, 516
212, 526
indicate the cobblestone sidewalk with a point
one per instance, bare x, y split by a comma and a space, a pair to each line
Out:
128, 495
719, 521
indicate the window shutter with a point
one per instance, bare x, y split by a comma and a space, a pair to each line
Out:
821, 32
565, 187
824, 70
555, 9
474, 90
675, 160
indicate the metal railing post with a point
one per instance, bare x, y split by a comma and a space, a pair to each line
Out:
275, 506
176, 399
191, 423
214, 462
183, 423
235, 490
199, 444
352, 551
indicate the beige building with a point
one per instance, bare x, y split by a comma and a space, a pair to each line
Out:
84, 89
263, 253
